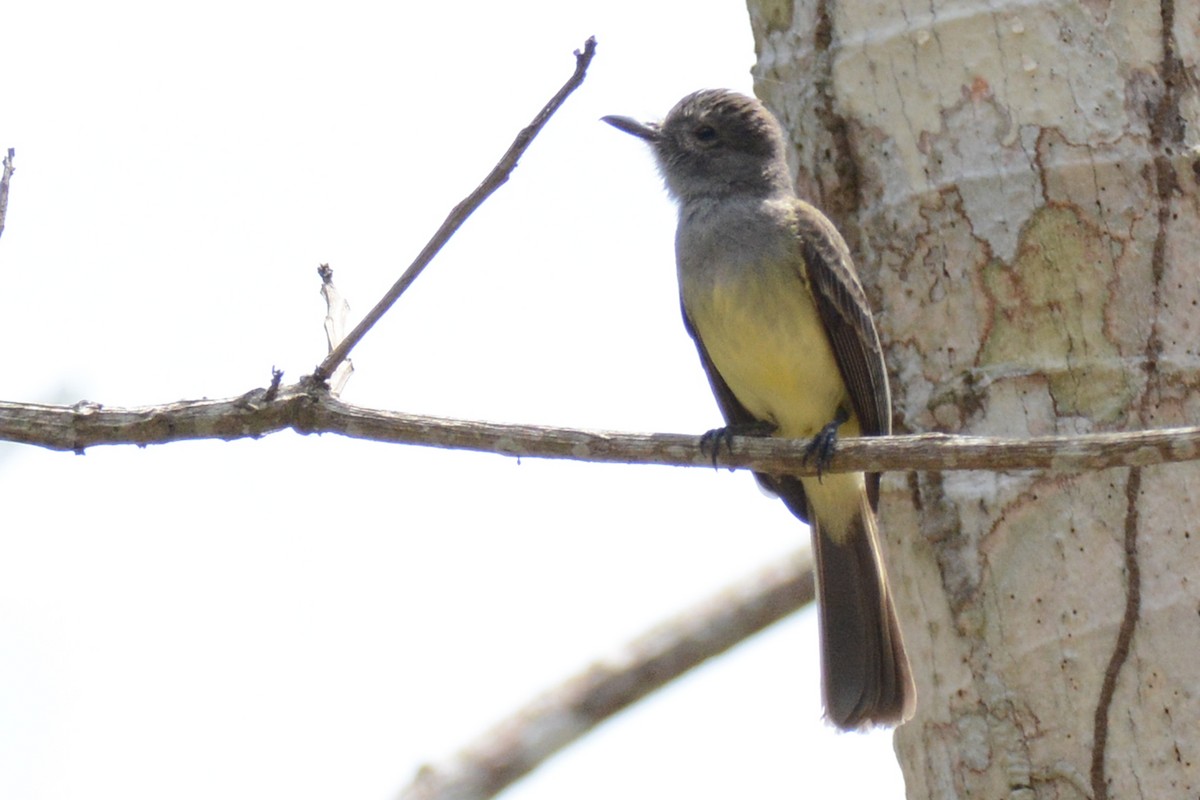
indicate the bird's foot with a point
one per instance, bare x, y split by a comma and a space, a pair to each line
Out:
710, 442
824, 444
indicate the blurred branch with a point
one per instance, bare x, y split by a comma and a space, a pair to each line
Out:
5, 177
307, 409
557, 718
458, 215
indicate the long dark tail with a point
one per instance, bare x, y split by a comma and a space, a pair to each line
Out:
866, 677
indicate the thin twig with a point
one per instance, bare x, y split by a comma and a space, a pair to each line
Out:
495, 179
255, 414
557, 718
336, 311
5, 177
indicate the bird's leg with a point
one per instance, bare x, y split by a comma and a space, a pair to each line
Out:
710, 442
823, 445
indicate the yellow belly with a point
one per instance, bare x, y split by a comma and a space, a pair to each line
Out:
770, 347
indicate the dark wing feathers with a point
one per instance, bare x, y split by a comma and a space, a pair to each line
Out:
846, 315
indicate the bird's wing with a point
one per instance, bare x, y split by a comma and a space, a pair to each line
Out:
788, 488
846, 315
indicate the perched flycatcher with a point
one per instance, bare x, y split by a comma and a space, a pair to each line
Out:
785, 334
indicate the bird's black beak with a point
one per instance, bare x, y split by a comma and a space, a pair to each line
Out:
649, 131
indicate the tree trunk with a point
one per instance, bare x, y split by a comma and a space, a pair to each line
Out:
1019, 183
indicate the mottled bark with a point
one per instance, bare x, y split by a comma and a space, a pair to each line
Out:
1021, 186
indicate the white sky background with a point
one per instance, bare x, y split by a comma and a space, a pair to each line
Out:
313, 617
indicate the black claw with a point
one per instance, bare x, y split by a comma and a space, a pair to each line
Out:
824, 444
711, 441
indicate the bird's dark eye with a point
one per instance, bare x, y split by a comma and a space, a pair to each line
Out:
706, 133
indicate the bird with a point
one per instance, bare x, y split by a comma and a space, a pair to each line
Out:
785, 334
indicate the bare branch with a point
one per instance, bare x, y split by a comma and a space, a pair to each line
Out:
495, 179
557, 718
314, 410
